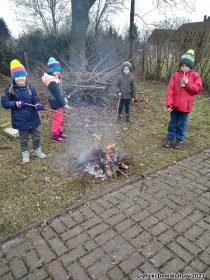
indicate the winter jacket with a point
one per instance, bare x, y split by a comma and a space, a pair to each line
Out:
55, 93
25, 117
181, 98
125, 85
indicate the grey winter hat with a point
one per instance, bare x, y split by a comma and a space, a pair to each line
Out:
188, 59
126, 64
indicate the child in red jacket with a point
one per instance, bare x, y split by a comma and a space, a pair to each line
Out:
183, 85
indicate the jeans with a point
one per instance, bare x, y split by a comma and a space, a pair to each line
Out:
126, 103
177, 125
24, 137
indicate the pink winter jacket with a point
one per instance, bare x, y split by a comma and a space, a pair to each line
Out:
182, 98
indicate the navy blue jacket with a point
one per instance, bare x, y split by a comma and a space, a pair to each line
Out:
26, 117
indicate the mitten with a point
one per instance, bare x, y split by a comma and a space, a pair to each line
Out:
21, 104
67, 107
66, 100
39, 107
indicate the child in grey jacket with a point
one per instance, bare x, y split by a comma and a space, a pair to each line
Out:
125, 90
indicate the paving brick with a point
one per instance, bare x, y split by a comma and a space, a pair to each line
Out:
88, 212
125, 204
32, 260
92, 257
149, 222
105, 236
47, 233
148, 268
136, 208
132, 263
189, 246
164, 213
73, 256
141, 240
163, 256
151, 249
186, 210
71, 233
110, 212
18, 267
58, 226
132, 232
198, 265
58, 246
141, 216
96, 207
167, 236
157, 206
119, 195
180, 252
38, 274
207, 274
57, 270
90, 245
11, 243
68, 221
116, 219
193, 232
113, 200
114, 243
115, 273
105, 204
7, 276
78, 217
127, 223
183, 225
100, 268
195, 216
4, 268
18, 250
203, 241
122, 252
98, 229
35, 237
45, 252
205, 258
158, 229
91, 222
77, 240
77, 272
173, 266
204, 225
174, 219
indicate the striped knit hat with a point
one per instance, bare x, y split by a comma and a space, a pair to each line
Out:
53, 65
17, 69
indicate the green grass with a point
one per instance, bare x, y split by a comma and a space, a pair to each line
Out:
33, 191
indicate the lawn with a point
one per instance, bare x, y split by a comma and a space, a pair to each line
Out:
36, 190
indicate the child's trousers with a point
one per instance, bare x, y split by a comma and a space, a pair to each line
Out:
57, 122
177, 125
24, 137
126, 103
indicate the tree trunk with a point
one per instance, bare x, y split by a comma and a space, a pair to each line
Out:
131, 31
80, 22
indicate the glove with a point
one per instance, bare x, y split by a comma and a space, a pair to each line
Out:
39, 107
66, 100
67, 107
21, 104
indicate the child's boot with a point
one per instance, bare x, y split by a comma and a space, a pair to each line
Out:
118, 120
25, 156
128, 118
62, 135
38, 153
179, 144
57, 138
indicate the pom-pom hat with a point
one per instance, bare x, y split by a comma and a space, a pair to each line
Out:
126, 64
188, 58
17, 69
53, 65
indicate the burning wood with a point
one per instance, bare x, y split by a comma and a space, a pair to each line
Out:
105, 164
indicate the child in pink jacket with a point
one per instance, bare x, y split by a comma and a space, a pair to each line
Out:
56, 98
183, 85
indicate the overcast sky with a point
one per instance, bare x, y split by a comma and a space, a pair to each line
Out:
202, 8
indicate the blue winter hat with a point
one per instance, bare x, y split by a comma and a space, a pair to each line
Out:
53, 65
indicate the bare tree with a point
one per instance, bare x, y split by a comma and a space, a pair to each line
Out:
102, 12
131, 30
44, 14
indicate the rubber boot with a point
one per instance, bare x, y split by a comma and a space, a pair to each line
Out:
38, 153
25, 156
118, 120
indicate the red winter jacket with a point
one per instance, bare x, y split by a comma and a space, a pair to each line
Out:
182, 98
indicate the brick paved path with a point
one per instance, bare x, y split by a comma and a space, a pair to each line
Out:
158, 226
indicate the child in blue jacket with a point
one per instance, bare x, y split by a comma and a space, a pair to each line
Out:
24, 117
